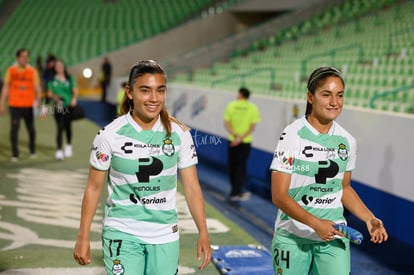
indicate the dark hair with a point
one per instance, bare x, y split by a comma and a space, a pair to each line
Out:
244, 92
51, 58
138, 70
19, 51
317, 79
65, 70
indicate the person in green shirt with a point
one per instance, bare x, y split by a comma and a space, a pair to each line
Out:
62, 90
240, 119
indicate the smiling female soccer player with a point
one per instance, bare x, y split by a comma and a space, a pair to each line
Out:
141, 151
311, 185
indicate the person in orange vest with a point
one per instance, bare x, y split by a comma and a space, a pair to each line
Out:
22, 88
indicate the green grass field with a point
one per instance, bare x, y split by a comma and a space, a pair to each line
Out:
40, 207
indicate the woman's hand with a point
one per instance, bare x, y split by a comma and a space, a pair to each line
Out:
81, 253
73, 102
377, 230
326, 230
204, 251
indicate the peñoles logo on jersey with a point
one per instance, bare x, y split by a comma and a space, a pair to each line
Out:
168, 147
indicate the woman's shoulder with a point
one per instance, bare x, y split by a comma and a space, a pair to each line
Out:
178, 126
340, 130
295, 125
113, 126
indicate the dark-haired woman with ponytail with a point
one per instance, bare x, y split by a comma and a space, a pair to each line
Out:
141, 152
311, 185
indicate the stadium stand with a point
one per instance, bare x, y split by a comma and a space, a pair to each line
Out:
371, 41
86, 29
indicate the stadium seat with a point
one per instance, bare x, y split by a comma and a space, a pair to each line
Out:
368, 32
99, 26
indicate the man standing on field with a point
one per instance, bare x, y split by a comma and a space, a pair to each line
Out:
22, 88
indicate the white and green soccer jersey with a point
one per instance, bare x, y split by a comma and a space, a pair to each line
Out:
142, 177
317, 163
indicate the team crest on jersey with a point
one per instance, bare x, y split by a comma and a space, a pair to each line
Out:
342, 152
118, 268
175, 228
168, 147
279, 271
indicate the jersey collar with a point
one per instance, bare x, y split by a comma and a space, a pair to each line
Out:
316, 132
139, 128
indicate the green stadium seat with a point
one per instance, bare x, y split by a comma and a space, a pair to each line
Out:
286, 51
99, 26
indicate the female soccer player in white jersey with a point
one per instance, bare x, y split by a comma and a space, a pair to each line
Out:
311, 185
138, 155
